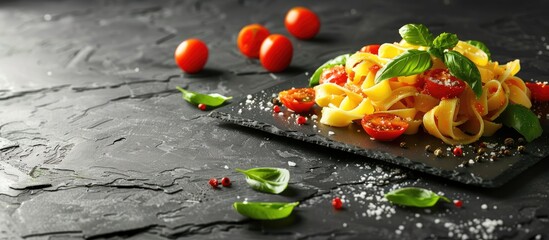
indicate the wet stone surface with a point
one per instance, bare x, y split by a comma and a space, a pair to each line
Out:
95, 142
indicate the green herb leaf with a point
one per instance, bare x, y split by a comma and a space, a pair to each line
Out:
269, 180
416, 34
523, 120
437, 52
339, 60
445, 41
212, 100
464, 69
482, 47
406, 64
414, 197
265, 210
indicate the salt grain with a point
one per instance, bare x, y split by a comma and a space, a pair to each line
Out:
291, 164
484, 206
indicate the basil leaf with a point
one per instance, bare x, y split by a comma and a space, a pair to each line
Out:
339, 60
406, 64
265, 210
445, 41
523, 120
212, 99
482, 47
414, 197
464, 69
416, 34
437, 52
269, 180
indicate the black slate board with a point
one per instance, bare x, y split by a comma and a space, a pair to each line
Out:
253, 111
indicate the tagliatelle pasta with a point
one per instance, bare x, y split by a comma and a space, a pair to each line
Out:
462, 119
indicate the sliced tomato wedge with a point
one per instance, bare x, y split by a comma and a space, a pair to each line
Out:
441, 84
540, 91
298, 99
373, 49
336, 74
384, 126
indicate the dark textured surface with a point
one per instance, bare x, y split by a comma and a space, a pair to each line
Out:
96, 141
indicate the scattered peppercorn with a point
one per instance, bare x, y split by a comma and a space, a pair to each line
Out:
428, 148
458, 152
202, 106
493, 158
481, 151
482, 144
226, 182
403, 144
521, 148
337, 203
275, 101
458, 203
509, 142
438, 152
506, 152
301, 120
276, 109
521, 141
213, 182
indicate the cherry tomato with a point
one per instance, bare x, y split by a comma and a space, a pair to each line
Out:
384, 126
302, 23
298, 99
373, 49
336, 74
250, 39
540, 91
191, 55
276, 53
440, 83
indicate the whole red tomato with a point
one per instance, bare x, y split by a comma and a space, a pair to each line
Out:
276, 53
250, 39
191, 55
302, 23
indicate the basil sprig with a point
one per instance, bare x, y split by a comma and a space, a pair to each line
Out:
418, 61
414, 197
269, 180
339, 60
523, 120
409, 63
482, 47
265, 210
212, 100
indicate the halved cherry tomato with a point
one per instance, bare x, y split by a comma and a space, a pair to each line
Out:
540, 91
373, 49
276, 53
440, 83
191, 55
384, 126
336, 74
250, 39
298, 99
302, 23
